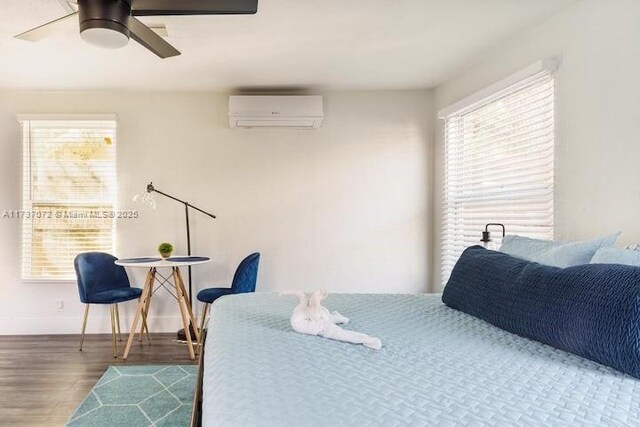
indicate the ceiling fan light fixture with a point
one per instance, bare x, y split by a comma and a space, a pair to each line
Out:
105, 23
105, 37
111, 23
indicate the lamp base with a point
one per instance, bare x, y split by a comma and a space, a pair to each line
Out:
183, 337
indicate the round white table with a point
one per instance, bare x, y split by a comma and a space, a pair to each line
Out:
184, 304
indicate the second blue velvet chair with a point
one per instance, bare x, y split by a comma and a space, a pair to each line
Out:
244, 281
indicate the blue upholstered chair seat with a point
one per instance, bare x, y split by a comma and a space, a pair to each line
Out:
244, 281
211, 294
114, 296
101, 281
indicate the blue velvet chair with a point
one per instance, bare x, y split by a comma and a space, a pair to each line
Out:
101, 281
244, 281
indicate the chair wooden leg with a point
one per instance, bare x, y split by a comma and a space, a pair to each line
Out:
84, 324
118, 322
202, 321
113, 330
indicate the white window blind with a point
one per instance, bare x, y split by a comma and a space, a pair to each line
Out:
499, 166
69, 193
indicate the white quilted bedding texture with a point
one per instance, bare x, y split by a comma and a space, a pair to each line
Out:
437, 367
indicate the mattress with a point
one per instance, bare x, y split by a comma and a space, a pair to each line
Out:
437, 367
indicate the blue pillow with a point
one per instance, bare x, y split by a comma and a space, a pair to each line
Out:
616, 256
555, 253
590, 310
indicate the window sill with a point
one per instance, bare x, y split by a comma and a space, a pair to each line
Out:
51, 281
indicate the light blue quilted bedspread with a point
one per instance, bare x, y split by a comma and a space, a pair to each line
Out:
437, 367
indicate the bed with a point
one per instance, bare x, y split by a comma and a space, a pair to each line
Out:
438, 366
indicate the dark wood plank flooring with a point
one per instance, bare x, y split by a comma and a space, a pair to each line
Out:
43, 378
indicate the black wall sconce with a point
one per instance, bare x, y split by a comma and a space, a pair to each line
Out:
486, 235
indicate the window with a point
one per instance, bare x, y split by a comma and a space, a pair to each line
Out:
69, 193
499, 163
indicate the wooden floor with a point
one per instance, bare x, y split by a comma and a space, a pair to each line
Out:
44, 378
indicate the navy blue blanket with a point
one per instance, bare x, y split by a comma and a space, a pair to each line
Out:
590, 310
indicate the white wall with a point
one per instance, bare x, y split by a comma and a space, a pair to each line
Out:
598, 115
345, 208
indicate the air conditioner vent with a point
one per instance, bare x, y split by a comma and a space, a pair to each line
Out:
295, 112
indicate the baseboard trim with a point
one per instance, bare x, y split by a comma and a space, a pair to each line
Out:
63, 325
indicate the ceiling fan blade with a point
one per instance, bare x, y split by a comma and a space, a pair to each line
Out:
193, 7
66, 5
45, 30
149, 39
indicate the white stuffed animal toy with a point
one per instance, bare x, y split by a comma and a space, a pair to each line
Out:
311, 318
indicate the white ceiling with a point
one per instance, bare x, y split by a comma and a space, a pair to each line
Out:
329, 44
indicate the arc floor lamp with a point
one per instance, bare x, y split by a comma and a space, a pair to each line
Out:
147, 198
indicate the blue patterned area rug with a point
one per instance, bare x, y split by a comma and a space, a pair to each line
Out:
136, 396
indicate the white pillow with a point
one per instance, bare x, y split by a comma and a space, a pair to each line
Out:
616, 256
555, 253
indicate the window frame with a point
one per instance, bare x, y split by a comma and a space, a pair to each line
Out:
27, 158
457, 111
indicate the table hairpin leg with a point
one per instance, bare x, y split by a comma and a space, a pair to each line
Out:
181, 301
187, 301
148, 286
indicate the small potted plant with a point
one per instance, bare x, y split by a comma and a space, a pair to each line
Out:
165, 250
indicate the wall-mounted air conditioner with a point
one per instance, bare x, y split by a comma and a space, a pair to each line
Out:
300, 112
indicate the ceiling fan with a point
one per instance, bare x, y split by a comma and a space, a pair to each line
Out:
110, 23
